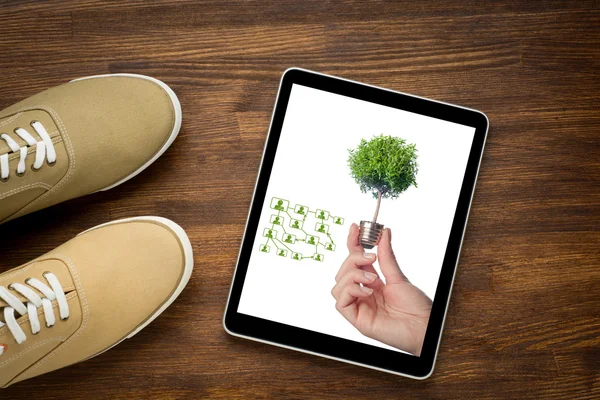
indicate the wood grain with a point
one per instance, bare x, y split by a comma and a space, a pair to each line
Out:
524, 319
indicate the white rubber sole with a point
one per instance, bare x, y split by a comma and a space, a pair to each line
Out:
189, 266
172, 136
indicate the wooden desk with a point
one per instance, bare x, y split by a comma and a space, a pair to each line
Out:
524, 320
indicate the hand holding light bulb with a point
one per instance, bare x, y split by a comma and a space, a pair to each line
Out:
395, 312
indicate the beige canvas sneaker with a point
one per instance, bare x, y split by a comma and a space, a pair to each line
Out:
88, 135
89, 294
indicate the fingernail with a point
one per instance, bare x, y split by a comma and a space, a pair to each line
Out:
370, 276
370, 256
366, 289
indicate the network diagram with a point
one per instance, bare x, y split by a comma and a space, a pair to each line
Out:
299, 231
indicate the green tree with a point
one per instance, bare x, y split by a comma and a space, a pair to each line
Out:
385, 166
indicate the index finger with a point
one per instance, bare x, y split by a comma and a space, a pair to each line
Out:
353, 242
355, 261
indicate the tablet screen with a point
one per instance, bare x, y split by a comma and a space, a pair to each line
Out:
328, 174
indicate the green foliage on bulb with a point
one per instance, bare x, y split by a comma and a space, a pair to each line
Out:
384, 164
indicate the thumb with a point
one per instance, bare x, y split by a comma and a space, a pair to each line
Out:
387, 260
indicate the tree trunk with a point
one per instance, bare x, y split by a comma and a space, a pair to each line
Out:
379, 193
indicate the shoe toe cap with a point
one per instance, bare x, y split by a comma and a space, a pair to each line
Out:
129, 272
117, 124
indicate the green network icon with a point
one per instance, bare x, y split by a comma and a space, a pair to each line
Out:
289, 238
313, 240
282, 252
292, 238
277, 220
302, 210
279, 204
320, 227
270, 233
322, 214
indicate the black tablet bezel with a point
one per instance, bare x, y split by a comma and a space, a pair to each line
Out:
330, 346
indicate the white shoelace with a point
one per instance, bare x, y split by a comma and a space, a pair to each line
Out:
44, 149
34, 301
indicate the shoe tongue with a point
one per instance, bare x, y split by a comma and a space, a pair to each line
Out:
36, 269
23, 120
16, 358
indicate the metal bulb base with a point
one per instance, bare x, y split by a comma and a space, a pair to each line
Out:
369, 234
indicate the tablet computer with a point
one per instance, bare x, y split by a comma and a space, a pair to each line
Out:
356, 224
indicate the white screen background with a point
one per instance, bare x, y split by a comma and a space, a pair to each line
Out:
310, 168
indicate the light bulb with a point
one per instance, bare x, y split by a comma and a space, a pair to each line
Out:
369, 234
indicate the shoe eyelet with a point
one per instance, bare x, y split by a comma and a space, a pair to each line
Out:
27, 281
33, 334
46, 273
64, 319
49, 326
4, 179
34, 169
51, 164
16, 129
11, 287
19, 174
34, 122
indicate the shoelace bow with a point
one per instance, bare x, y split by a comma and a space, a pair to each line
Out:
44, 150
34, 301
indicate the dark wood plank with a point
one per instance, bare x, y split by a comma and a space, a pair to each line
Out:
523, 321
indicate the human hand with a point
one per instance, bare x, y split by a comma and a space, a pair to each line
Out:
395, 312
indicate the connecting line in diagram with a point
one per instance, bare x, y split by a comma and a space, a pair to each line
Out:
295, 241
